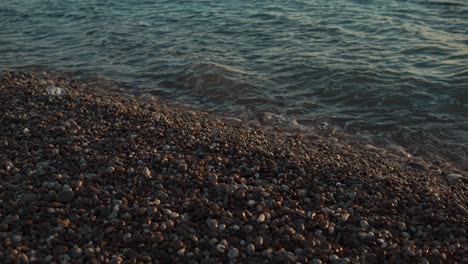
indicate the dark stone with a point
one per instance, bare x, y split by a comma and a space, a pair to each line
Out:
161, 256
65, 196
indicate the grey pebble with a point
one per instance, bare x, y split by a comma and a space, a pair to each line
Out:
251, 249
233, 253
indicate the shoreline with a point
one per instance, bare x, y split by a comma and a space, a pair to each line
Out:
146, 181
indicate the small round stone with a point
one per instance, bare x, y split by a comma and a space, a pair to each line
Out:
17, 238
334, 258
127, 236
402, 226
344, 217
213, 178
181, 252
65, 258
251, 249
212, 224
258, 241
233, 253
116, 259
221, 248
110, 169
364, 224
146, 172
183, 167
261, 218
76, 252
23, 258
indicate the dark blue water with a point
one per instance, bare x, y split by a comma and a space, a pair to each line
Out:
391, 71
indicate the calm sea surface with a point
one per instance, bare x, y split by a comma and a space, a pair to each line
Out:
389, 71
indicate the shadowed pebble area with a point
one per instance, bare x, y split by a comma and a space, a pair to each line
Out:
89, 177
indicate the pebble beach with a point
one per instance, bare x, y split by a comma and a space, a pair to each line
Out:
93, 177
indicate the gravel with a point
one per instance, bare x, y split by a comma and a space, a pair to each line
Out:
88, 176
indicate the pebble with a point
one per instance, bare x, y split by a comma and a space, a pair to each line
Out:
261, 218
268, 253
76, 252
65, 258
220, 248
23, 258
424, 261
406, 235
146, 172
402, 226
17, 239
213, 178
89, 252
233, 253
251, 249
65, 196
110, 170
212, 224
410, 252
181, 252
362, 235
221, 228
333, 258
259, 241
48, 259
116, 259
183, 167
364, 224
8, 165
344, 217
454, 177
